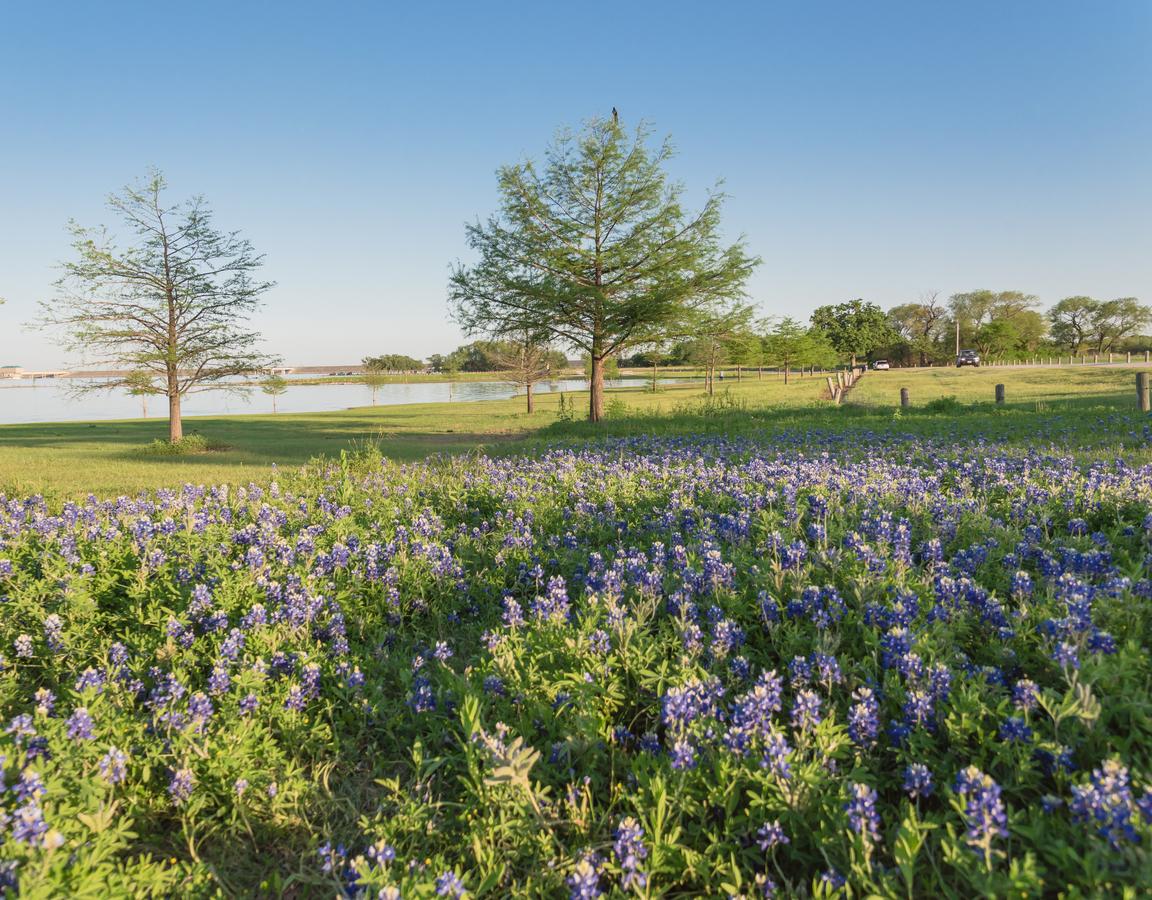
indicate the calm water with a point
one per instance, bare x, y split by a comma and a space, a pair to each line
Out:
49, 400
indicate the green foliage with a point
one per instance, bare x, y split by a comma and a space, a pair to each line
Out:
172, 306
189, 445
948, 405
594, 250
855, 328
392, 362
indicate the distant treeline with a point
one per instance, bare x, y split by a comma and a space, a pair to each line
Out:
1000, 325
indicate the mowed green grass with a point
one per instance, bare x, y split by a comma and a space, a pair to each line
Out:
1029, 385
1090, 411
110, 458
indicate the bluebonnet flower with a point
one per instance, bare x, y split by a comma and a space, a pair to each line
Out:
630, 853
1021, 585
513, 615
54, 632
332, 858
219, 681
799, 672
833, 879
80, 725
776, 753
919, 710
917, 781
23, 646
683, 755
421, 698
863, 717
45, 701
29, 827
771, 835
584, 882
1026, 695
380, 853
114, 765
983, 810
1066, 655
806, 710
1107, 802
861, 809
1015, 730
296, 699
180, 785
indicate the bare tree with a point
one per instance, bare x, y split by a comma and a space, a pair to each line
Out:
172, 305
524, 360
719, 336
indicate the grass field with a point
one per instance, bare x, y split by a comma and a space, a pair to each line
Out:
1022, 386
107, 458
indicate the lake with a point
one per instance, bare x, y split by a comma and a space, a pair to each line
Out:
50, 400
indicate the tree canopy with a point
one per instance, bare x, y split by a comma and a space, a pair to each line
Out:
855, 328
593, 249
170, 307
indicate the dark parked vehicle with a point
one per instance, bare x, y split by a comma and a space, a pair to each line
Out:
968, 358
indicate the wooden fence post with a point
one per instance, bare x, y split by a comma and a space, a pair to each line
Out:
904, 397
1000, 394
1142, 391
831, 387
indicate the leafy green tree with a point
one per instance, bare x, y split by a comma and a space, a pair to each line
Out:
140, 384
594, 249
855, 328
1031, 329
996, 337
922, 325
1113, 320
375, 379
274, 385
790, 344
975, 309
172, 304
392, 362
1072, 321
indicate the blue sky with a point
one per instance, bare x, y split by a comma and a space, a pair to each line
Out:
875, 150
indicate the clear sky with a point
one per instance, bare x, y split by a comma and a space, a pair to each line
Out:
870, 149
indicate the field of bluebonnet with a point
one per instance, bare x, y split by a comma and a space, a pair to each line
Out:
825, 663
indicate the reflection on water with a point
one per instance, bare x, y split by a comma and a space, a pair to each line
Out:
51, 401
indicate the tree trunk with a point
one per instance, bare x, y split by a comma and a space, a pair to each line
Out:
596, 390
785, 373
531, 407
759, 373
654, 370
175, 423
